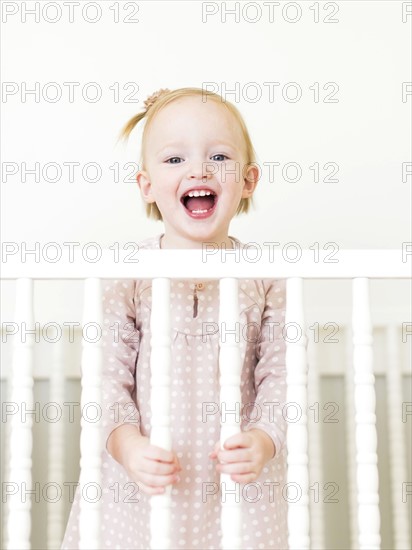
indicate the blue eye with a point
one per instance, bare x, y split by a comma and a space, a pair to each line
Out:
169, 161
173, 158
219, 155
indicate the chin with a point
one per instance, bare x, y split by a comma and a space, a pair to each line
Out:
210, 238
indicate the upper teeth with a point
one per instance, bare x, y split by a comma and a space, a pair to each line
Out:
198, 193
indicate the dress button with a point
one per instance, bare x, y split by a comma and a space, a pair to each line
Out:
200, 286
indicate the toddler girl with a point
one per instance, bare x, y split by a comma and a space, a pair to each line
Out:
198, 171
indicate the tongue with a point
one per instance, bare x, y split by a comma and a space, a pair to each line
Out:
199, 203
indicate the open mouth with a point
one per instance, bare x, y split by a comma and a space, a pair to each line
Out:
199, 203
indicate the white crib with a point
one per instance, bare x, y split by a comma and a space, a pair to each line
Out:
305, 521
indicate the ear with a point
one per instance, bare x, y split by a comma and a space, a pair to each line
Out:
143, 182
251, 178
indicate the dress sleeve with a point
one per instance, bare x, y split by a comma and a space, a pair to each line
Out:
270, 370
120, 349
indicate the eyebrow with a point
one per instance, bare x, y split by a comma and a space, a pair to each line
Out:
170, 144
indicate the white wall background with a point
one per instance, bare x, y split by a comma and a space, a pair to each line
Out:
367, 133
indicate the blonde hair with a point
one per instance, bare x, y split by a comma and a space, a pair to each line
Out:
158, 101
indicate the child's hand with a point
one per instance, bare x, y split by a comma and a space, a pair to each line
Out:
150, 466
244, 455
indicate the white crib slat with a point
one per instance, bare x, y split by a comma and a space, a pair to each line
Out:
365, 419
55, 509
317, 520
90, 438
6, 458
350, 444
21, 438
398, 468
230, 406
160, 401
297, 437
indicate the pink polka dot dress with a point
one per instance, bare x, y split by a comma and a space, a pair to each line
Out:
196, 498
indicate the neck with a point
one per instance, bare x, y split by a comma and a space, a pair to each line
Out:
182, 242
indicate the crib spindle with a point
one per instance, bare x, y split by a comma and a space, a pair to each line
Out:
398, 465
160, 401
90, 403
55, 510
317, 520
365, 419
350, 444
297, 436
21, 423
230, 406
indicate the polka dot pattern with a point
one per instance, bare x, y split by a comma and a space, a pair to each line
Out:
197, 497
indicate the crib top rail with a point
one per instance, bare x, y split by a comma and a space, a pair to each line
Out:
253, 262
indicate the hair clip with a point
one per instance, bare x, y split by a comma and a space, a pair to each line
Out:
154, 97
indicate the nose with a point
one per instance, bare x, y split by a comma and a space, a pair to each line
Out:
200, 171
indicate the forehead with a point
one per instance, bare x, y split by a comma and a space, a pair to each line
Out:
194, 117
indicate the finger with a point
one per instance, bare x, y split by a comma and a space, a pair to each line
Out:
156, 480
216, 448
238, 440
152, 490
242, 468
177, 464
157, 453
155, 467
244, 478
236, 455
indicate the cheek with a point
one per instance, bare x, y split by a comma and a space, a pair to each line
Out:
230, 172
162, 180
